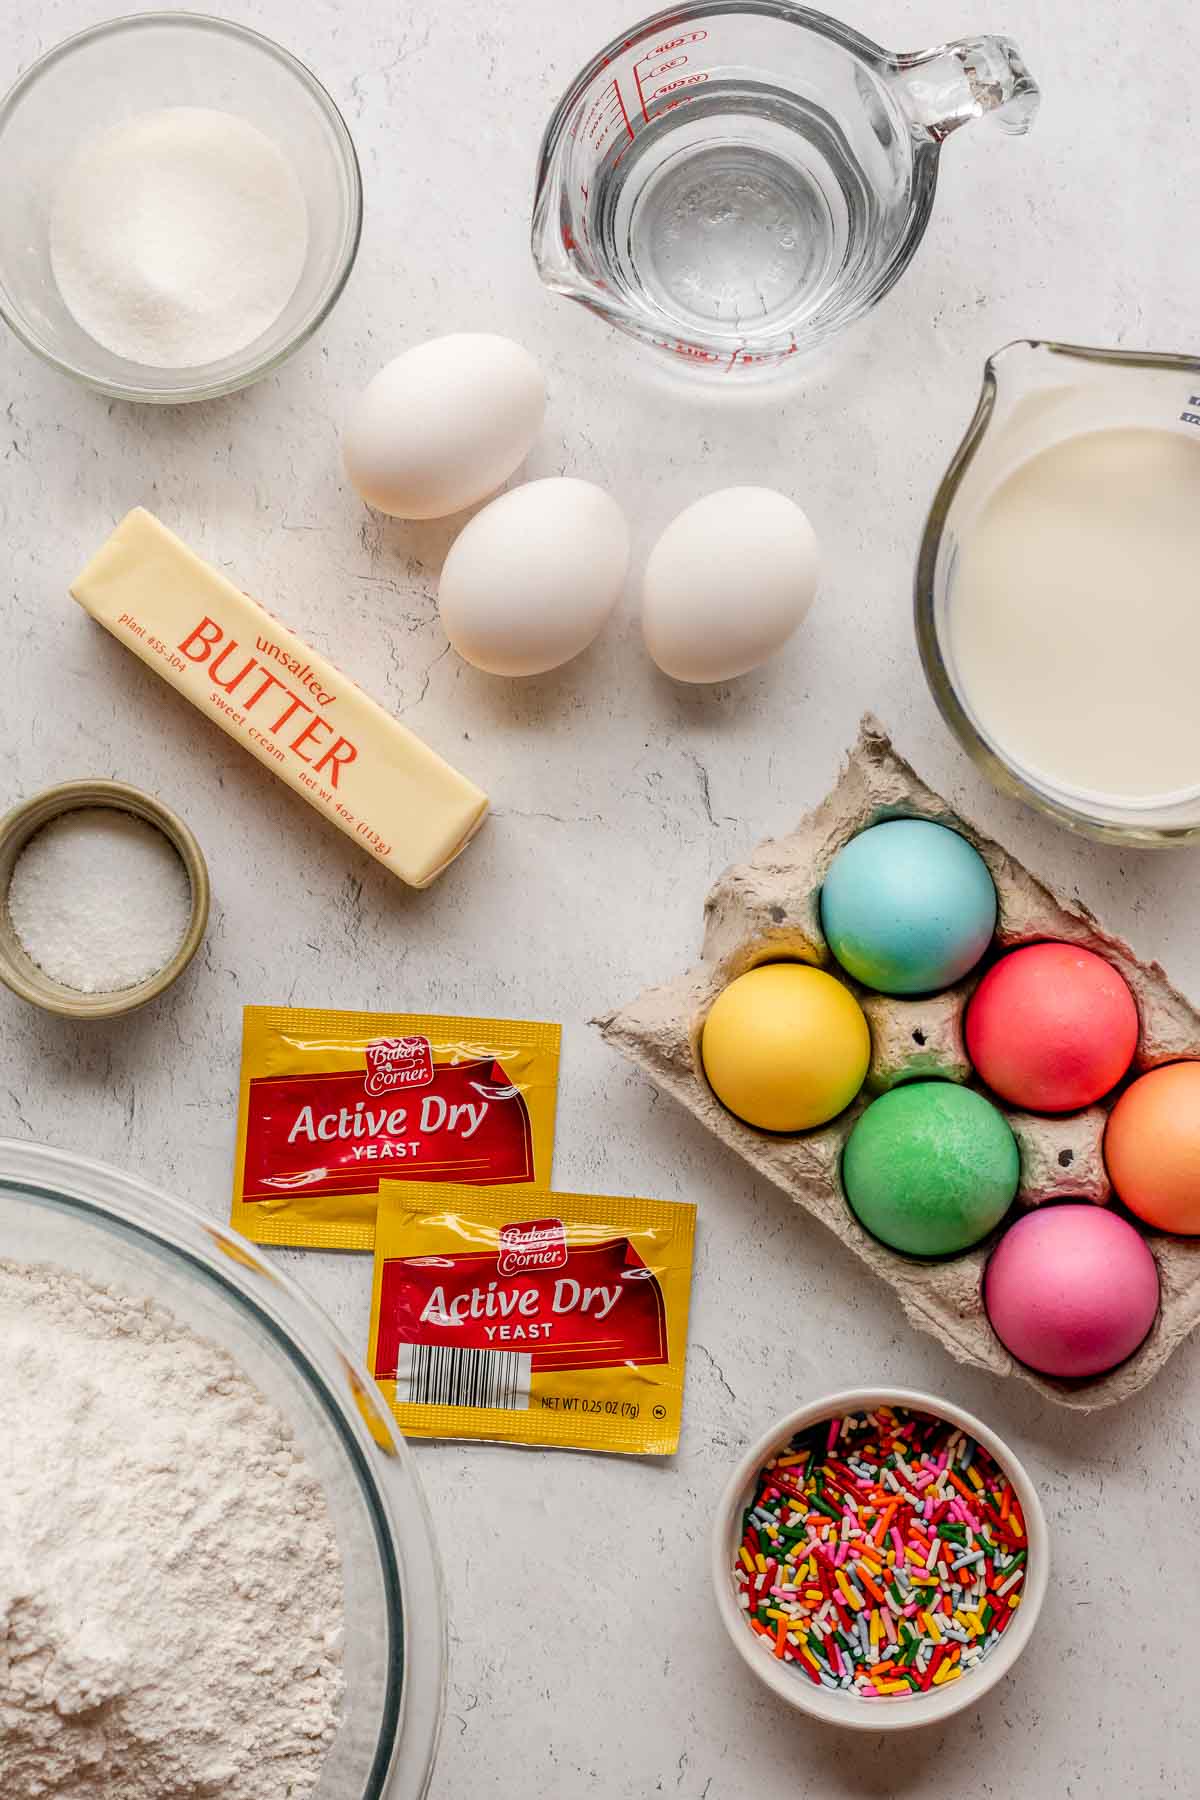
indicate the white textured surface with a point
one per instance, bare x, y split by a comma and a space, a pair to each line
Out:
586, 1656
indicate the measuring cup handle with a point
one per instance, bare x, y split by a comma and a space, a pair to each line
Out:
944, 88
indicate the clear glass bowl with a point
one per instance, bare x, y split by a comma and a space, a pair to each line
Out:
128, 66
116, 1230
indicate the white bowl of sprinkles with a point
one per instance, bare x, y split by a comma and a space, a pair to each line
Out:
880, 1558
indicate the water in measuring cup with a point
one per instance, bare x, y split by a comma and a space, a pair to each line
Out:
734, 216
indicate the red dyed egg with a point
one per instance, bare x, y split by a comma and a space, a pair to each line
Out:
1051, 1028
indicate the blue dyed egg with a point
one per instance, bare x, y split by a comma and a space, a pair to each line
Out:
908, 907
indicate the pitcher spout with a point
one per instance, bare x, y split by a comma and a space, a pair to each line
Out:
1016, 366
563, 263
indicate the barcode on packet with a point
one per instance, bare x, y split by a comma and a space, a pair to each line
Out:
444, 1375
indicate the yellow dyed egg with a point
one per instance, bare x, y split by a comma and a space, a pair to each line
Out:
785, 1047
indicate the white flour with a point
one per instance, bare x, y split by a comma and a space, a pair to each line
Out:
100, 899
170, 1585
178, 236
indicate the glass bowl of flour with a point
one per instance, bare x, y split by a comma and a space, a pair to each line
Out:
181, 206
215, 1549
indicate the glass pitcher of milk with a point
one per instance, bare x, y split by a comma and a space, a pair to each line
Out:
1058, 588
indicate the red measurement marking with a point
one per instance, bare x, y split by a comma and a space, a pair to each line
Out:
603, 117
746, 359
637, 76
621, 104
685, 81
678, 43
689, 37
689, 351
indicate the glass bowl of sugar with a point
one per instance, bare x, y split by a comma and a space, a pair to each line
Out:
103, 899
181, 207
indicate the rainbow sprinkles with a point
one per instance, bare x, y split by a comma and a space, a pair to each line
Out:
883, 1553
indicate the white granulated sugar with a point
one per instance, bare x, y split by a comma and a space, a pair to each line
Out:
171, 1609
178, 236
100, 899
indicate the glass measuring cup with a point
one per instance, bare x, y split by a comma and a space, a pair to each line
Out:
735, 180
1038, 396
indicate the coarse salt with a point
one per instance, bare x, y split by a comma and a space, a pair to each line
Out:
100, 900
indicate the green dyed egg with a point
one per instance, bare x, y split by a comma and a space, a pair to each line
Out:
930, 1168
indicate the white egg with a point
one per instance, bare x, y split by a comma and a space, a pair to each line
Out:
444, 425
530, 580
727, 583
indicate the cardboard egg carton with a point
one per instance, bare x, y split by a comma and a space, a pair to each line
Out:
768, 909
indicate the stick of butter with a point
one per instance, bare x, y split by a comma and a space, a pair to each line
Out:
282, 701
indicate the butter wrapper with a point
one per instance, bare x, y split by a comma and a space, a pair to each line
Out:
532, 1318
282, 701
332, 1103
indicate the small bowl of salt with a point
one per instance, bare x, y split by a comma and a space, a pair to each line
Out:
181, 206
105, 899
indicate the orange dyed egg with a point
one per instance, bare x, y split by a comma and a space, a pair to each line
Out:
1152, 1148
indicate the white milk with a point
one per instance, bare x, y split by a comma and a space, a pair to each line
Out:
1074, 621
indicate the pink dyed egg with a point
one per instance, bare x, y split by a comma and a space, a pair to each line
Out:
1071, 1290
